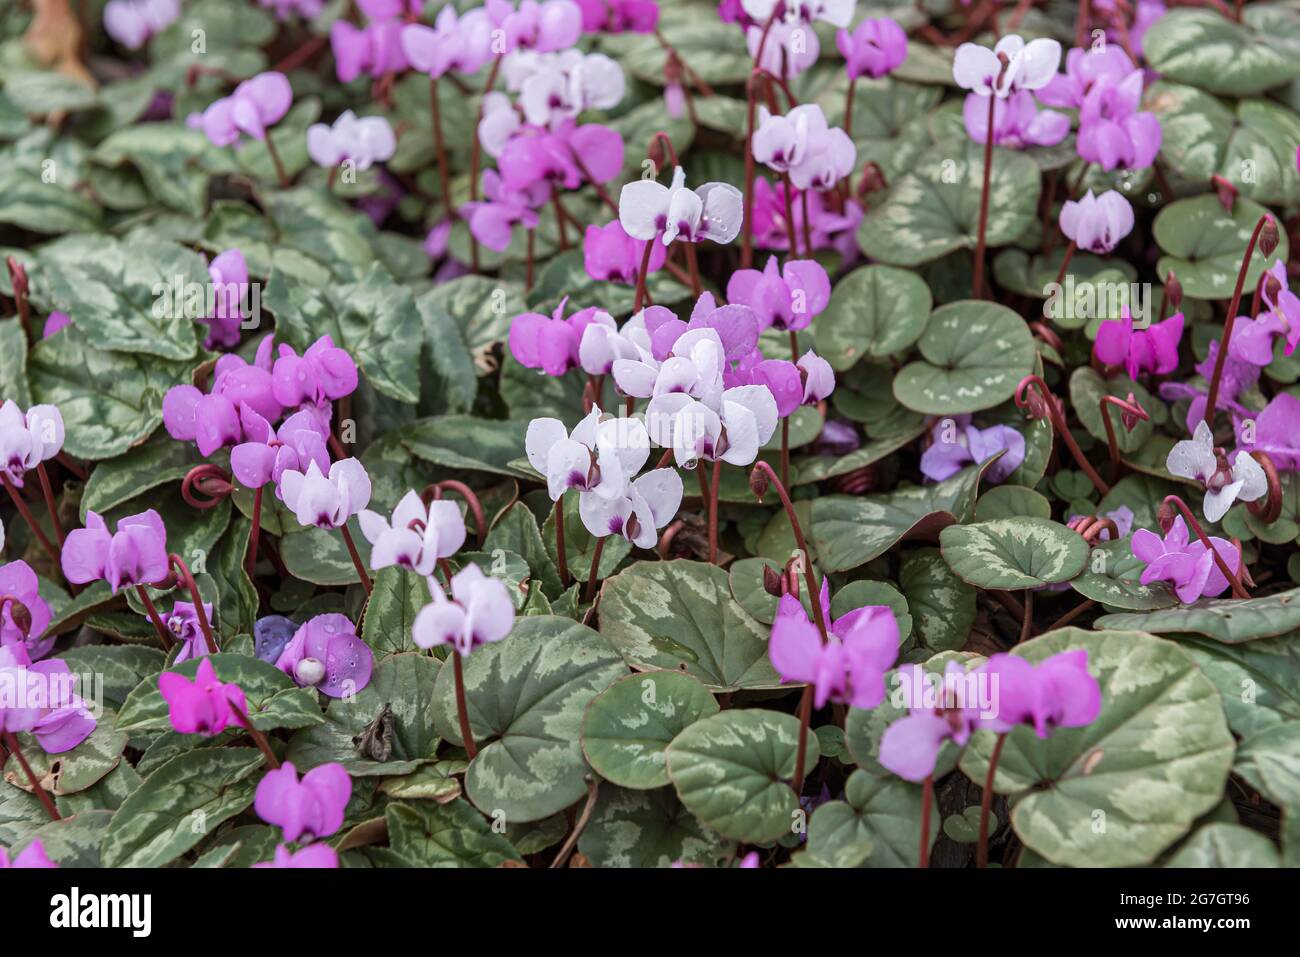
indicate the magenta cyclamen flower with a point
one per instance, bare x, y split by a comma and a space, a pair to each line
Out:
203, 706
33, 856
910, 746
41, 699
417, 536
18, 581
306, 809
326, 654
375, 49
786, 299
132, 22
183, 622
1058, 692
136, 554
1154, 349
267, 453
851, 668
326, 501
609, 253
229, 274
1276, 431
492, 219
619, 16
830, 228
321, 374
255, 105
956, 443
314, 856
874, 48
1017, 121
28, 439
1097, 223
1188, 566
479, 612
551, 343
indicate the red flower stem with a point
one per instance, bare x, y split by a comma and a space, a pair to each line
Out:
747, 221
258, 737
927, 798
462, 710
48, 492
336, 447
439, 147
1132, 408
280, 173
848, 108
788, 198
183, 571
528, 268
1027, 621
785, 451
30, 519
1072, 614
301, 55
697, 288
1238, 589
561, 560
559, 218
1229, 322
986, 801
643, 274
475, 152
1065, 263
1081, 23
471, 500
978, 283
67, 462
595, 570
208, 479
18, 279
713, 512
251, 561
801, 753
807, 225
11, 741
809, 576
356, 559
1062, 429
163, 634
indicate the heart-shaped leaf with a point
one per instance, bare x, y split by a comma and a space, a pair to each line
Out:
1206, 49
1009, 553
875, 311
1204, 245
649, 829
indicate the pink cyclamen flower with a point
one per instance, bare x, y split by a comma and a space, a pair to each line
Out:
781, 377
136, 554
44, 701
255, 105
609, 253
456, 43
28, 439
1097, 223
492, 219
1199, 460
18, 581
1017, 121
619, 16
1010, 66
818, 377
479, 612
326, 500
322, 374
266, 453
1153, 349
787, 299
541, 27
956, 443
326, 654
203, 706
373, 50
550, 343
910, 746
1276, 431
1112, 132
316, 856
183, 623
850, 669
1188, 566
132, 22
791, 47
874, 48
229, 276
1058, 692
32, 856
649, 210
363, 141
830, 228
418, 535
1083, 68
306, 809
1238, 376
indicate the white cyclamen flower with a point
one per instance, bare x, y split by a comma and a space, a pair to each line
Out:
1028, 66
744, 422
598, 458
647, 209
439, 533
326, 501
364, 141
648, 504
1199, 460
478, 613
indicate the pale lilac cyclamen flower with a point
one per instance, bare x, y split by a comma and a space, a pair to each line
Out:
316, 856
1238, 376
597, 458
363, 141
1097, 223
32, 856
326, 500
213, 420
1017, 121
791, 48
874, 48
645, 505
1153, 349
1028, 66
307, 809
1112, 131
18, 581
851, 668
492, 219
619, 16
610, 254
373, 50
956, 443
1198, 459
132, 22
910, 746
136, 554
649, 210
255, 105
28, 438
544, 27
782, 299
801, 143
1188, 566
458, 43
1276, 432
45, 704
554, 87
267, 453
479, 612
203, 706
1058, 692
183, 623
416, 537
229, 275
326, 654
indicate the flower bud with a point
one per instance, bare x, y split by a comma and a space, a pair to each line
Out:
1165, 515
1268, 237
758, 483
309, 672
1173, 291
772, 581
1227, 193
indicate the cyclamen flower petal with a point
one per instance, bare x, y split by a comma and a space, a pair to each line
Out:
326, 501
363, 141
1188, 566
315, 856
1199, 460
1058, 692
648, 210
1097, 223
31, 857
255, 104
28, 439
874, 48
609, 253
1029, 66
786, 299
1154, 349
440, 534
203, 706
18, 581
326, 654
479, 612
647, 505
1276, 432
132, 22
136, 554
311, 808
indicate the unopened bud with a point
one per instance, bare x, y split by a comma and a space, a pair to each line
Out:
18, 277
873, 178
1227, 193
309, 672
772, 581
1268, 238
1173, 291
758, 483
1165, 515
18, 614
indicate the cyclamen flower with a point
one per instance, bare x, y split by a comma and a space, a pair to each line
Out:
837, 13
183, 623
1097, 223
315, 856
460, 43
440, 534
306, 809
551, 343
875, 48
363, 141
326, 501
649, 210
787, 299
1238, 376
791, 47
203, 706
266, 453
619, 16
1010, 66
1225, 483
32, 856
1154, 349
270, 634
1112, 132
28, 439
1017, 121
597, 458
229, 275
1188, 566
743, 422
544, 27
50, 710
55, 322
559, 86
479, 612
255, 105
565, 156
1084, 66
609, 253
321, 374
492, 220
910, 746
373, 50
850, 669
326, 654
136, 554
1058, 692
132, 22
1276, 432
646, 505
956, 443
816, 156
307, 9
213, 420
830, 228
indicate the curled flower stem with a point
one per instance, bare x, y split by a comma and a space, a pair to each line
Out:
439, 147
48, 492
595, 570
47, 802
30, 519
1238, 590
462, 710
927, 798
183, 572
1053, 412
258, 737
163, 634
356, 559
978, 284
561, 560
1129, 407
476, 154
1270, 508
986, 801
210, 480
1231, 319
251, 560
436, 490
580, 825
1090, 528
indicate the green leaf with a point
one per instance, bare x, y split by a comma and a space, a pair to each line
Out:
397, 598
176, 162
974, 356
933, 208
516, 532
320, 556
1226, 620
28, 202
1009, 553
875, 311
746, 579
1086, 390
1117, 792
1225, 845
628, 726
877, 825
179, 804
526, 695
70, 771
116, 669
730, 771
466, 442
566, 276
1204, 245
1011, 501
648, 829
1259, 680
13, 363
1113, 579
448, 379
1206, 49
118, 480
680, 615
941, 604
483, 308
445, 835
